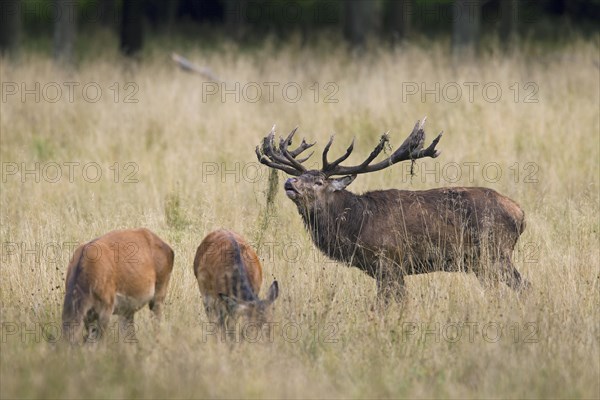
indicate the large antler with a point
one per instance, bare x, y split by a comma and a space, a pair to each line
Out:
285, 160
282, 158
411, 149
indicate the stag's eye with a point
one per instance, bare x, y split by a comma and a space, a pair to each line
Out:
319, 183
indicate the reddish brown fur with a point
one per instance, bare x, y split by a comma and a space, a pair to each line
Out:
117, 273
229, 277
215, 261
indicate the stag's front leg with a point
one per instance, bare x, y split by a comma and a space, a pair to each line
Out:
390, 283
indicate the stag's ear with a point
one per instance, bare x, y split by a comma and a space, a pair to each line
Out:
341, 183
273, 292
230, 302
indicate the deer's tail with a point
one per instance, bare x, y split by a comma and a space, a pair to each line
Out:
76, 304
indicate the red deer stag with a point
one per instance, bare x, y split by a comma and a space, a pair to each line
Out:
393, 233
229, 276
118, 273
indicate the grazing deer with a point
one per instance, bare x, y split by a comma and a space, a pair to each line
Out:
393, 233
118, 273
229, 276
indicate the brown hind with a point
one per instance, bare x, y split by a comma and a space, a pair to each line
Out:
229, 277
118, 273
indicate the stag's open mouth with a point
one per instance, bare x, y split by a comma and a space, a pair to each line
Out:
290, 190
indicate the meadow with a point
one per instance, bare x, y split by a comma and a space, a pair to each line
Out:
112, 144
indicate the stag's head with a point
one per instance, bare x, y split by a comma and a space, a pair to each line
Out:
255, 311
311, 189
314, 188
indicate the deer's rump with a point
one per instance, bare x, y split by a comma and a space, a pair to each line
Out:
120, 268
217, 261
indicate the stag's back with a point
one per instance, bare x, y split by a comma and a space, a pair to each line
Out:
441, 225
474, 215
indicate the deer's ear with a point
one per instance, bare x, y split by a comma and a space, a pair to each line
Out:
341, 183
273, 292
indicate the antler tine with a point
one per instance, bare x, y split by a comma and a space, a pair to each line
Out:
268, 156
331, 169
431, 150
329, 166
281, 158
306, 158
303, 146
264, 159
410, 149
325, 151
267, 142
283, 145
291, 135
377, 150
270, 151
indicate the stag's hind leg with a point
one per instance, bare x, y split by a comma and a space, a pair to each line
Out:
502, 270
512, 278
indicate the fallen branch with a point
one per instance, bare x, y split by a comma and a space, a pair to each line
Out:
189, 66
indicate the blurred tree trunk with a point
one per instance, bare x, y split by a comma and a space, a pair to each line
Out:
10, 26
570, 8
400, 18
466, 26
65, 28
172, 8
509, 20
108, 14
235, 17
132, 35
358, 20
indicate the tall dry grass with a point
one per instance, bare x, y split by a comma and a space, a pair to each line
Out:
335, 342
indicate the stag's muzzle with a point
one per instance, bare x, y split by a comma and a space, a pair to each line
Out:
290, 190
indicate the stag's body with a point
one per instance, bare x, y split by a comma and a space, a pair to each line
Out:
393, 233
117, 273
229, 277
390, 234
